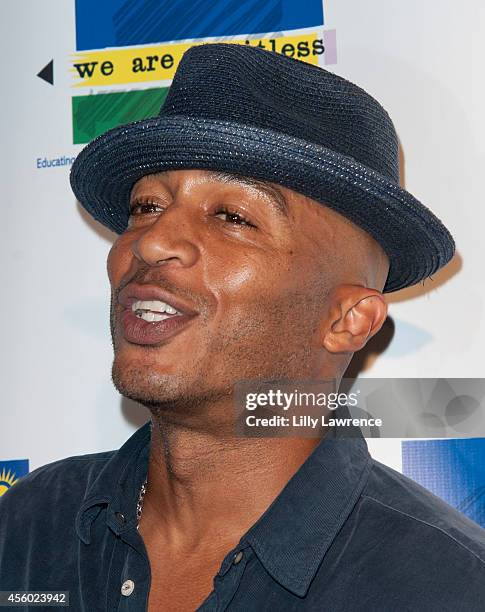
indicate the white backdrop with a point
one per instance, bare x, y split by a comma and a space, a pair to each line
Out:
421, 60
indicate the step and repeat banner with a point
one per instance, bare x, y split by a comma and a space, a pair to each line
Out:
75, 68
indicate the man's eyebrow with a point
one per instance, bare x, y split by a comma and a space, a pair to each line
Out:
281, 204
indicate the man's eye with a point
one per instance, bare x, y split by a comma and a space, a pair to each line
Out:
234, 218
143, 208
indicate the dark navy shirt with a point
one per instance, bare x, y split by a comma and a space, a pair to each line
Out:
346, 533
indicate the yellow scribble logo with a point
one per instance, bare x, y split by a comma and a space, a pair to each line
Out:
159, 62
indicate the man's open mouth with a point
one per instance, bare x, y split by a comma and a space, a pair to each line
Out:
154, 310
152, 315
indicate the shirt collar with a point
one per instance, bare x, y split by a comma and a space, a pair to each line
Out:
117, 486
291, 537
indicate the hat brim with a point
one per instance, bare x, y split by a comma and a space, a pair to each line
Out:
104, 172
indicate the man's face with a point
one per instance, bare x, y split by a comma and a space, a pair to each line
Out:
252, 261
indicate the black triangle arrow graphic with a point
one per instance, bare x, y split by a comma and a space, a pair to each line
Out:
47, 73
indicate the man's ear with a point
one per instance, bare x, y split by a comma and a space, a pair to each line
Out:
356, 314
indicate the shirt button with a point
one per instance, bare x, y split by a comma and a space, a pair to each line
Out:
120, 517
237, 557
127, 588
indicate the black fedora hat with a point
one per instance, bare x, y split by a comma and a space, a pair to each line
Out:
248, 111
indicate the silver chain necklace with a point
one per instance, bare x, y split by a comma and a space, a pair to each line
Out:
139, 504
143, 490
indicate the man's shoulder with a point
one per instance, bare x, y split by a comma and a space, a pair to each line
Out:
422, 517
55, 484
38, 517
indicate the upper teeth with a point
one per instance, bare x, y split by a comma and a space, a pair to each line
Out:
154, 306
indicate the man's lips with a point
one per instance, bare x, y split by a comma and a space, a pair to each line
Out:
139, 331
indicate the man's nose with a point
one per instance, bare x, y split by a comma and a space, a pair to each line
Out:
171, 238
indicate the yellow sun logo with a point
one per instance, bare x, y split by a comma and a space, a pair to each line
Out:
7, 479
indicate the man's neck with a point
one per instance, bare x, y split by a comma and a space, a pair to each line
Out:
206, 489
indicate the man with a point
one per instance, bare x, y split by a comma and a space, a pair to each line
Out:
260, 221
